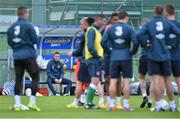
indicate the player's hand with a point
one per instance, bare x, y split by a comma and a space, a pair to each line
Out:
60, 80
169, 47
56, 81
110, 49
149, 45
70, 53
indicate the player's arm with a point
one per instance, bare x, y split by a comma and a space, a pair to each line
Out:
10, 43
178, 37
91, 40
144, 41
62, 71
49, 71
79, 50
175, 30
106, 44
135, 43
33, 35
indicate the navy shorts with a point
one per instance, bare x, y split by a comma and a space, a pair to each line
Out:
83, 73
94, 68
162, 68
143, 65
121, 67
175, 67
107, 65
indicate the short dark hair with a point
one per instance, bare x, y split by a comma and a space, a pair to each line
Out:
123, 15
158, 10
90, 21
56, 52
102, 16
21, 10
114, 14
169, 8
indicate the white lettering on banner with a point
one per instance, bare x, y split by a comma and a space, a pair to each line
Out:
59, 41
55, 45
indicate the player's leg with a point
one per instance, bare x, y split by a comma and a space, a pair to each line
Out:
107, 76
169, 90
127, 73
19, 72
142, 84
33, 70
157, 91
112, 93
166, 68
143, 67
107, 89
178, 84
118, 95
91, 92
94, 71
51, 87
176, 73
101, 96
78, 92
151, 95
83, 94
78, 89
67, 82
126, 90
155, 71
162, 87
115, 74
83, 77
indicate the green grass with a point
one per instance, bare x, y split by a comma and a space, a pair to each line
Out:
55, 107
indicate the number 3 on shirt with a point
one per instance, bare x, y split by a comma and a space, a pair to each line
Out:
119, 31
159, 26
17, 30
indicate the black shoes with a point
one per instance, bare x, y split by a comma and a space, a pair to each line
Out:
144, 102
90, 106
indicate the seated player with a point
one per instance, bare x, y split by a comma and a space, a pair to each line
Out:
55, 73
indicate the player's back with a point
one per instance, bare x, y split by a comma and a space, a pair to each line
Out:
120, 36
158, 30
21, 38
174, 40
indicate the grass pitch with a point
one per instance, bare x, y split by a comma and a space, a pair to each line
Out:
55, 107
